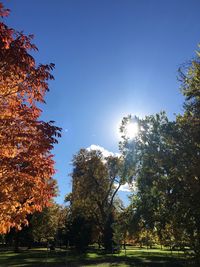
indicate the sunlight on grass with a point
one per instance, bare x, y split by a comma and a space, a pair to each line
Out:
108, 265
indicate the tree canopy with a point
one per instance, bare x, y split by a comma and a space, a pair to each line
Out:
26, 162
164, 159
95, 181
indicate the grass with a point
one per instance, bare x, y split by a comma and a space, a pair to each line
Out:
134, 257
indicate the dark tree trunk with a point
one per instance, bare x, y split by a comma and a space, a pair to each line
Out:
108, 235
16, 242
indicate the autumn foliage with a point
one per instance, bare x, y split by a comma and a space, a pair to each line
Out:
26, 162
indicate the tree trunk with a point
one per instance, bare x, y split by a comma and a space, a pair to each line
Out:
108, 235
125, 245
16, 242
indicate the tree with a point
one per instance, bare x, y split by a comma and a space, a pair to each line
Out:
26, 162
189, 152
121, 228
45, 224
79, 230
164, 160
153, 158
96, 180
146, 155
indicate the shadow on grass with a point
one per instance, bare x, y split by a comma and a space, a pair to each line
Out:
40, 258
33, 258
125, 261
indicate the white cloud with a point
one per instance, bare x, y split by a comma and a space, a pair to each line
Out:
104, 151
127, 187
123, 188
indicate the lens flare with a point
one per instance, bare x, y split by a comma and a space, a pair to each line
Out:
132, 130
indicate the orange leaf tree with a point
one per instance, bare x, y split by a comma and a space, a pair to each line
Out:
26, 162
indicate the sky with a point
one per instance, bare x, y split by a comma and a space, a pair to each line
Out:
113, 58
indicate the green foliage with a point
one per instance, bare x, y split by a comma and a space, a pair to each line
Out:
189, 125
121, 227
45, 224
96, 180
80, 233
164, 160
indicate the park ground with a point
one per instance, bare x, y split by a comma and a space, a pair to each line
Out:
135, 257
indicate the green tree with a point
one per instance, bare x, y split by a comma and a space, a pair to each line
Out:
79, 227
150, 157
189, 153
121, 228
154, 159
164, 159
45, 224
96, 180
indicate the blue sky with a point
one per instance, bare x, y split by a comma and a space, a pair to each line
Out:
112, 58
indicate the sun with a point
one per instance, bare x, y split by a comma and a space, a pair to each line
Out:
131, 130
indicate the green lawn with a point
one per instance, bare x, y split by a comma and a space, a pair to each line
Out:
134, 257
